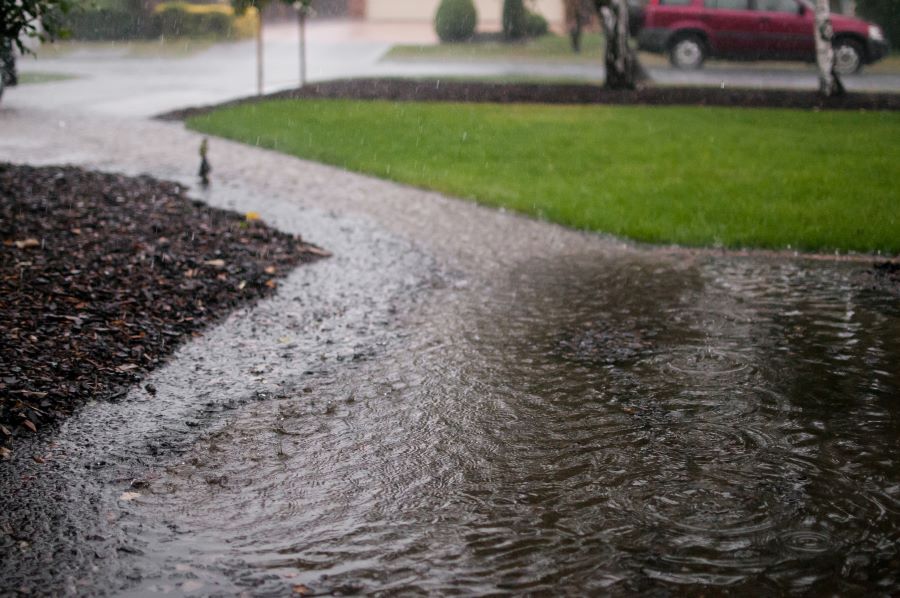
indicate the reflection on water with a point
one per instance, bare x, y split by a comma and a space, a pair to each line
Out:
576, 425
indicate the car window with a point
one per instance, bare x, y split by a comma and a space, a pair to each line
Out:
676, 2
729, 4
789, 6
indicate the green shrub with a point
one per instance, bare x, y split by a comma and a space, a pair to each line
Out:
455, 20
173, 19
178, 19
885, 13
535, 25
514, 17
108, 24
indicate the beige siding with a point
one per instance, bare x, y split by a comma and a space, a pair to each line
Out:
423, 10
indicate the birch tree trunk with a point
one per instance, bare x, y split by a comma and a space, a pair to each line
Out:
622, 68
829, 83
259, 52
301, 15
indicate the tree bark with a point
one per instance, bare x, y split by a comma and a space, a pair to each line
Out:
622, 68
829, 83
259, 52
301, 15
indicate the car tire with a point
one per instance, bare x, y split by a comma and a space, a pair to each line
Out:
687, 52
848, 56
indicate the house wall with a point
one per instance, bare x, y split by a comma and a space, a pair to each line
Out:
489, 11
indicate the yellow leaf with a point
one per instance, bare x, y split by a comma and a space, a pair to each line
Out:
251, 216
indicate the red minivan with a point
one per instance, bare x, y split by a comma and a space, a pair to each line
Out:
691, 31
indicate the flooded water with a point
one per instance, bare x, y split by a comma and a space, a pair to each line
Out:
462, 401
565, 426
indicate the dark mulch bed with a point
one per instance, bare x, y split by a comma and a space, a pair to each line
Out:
103, 276
435, 90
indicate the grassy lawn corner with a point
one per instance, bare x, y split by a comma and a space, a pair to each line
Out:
818, 181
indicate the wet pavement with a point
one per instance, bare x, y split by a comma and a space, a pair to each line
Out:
466, 401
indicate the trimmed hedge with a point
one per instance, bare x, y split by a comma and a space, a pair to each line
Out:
455, 20
519, 22
535, 25
170, 19
109, 24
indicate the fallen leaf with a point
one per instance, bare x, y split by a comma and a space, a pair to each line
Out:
5, 431
271, 283
215, 263
241, 285
29, 425
125, 367
269, 270
129, 496
39, 459
251, 216
5, 453
28, 243
301, 590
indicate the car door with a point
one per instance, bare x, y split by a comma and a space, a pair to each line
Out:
733, 27
785, 29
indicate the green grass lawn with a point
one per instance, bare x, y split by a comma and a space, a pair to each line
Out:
545, 48
161, 48
555, 48
694, 176
29, 78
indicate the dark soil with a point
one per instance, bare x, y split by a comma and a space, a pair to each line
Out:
103, 276
435, 90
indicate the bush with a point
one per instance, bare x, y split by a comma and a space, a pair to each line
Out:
455, 20
170, 19
535, 25
884, 13
514, 17
180, 19
108, 24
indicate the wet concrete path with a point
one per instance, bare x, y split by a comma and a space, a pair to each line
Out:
464, 400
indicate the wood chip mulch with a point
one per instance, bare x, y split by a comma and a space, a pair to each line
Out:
103, 276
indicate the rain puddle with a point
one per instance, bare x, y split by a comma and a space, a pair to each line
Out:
569, 425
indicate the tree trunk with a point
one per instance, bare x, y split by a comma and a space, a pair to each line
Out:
301, 15
259, 52
622, 68
829, 83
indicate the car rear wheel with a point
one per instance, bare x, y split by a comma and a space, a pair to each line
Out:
848, 56
688, 53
